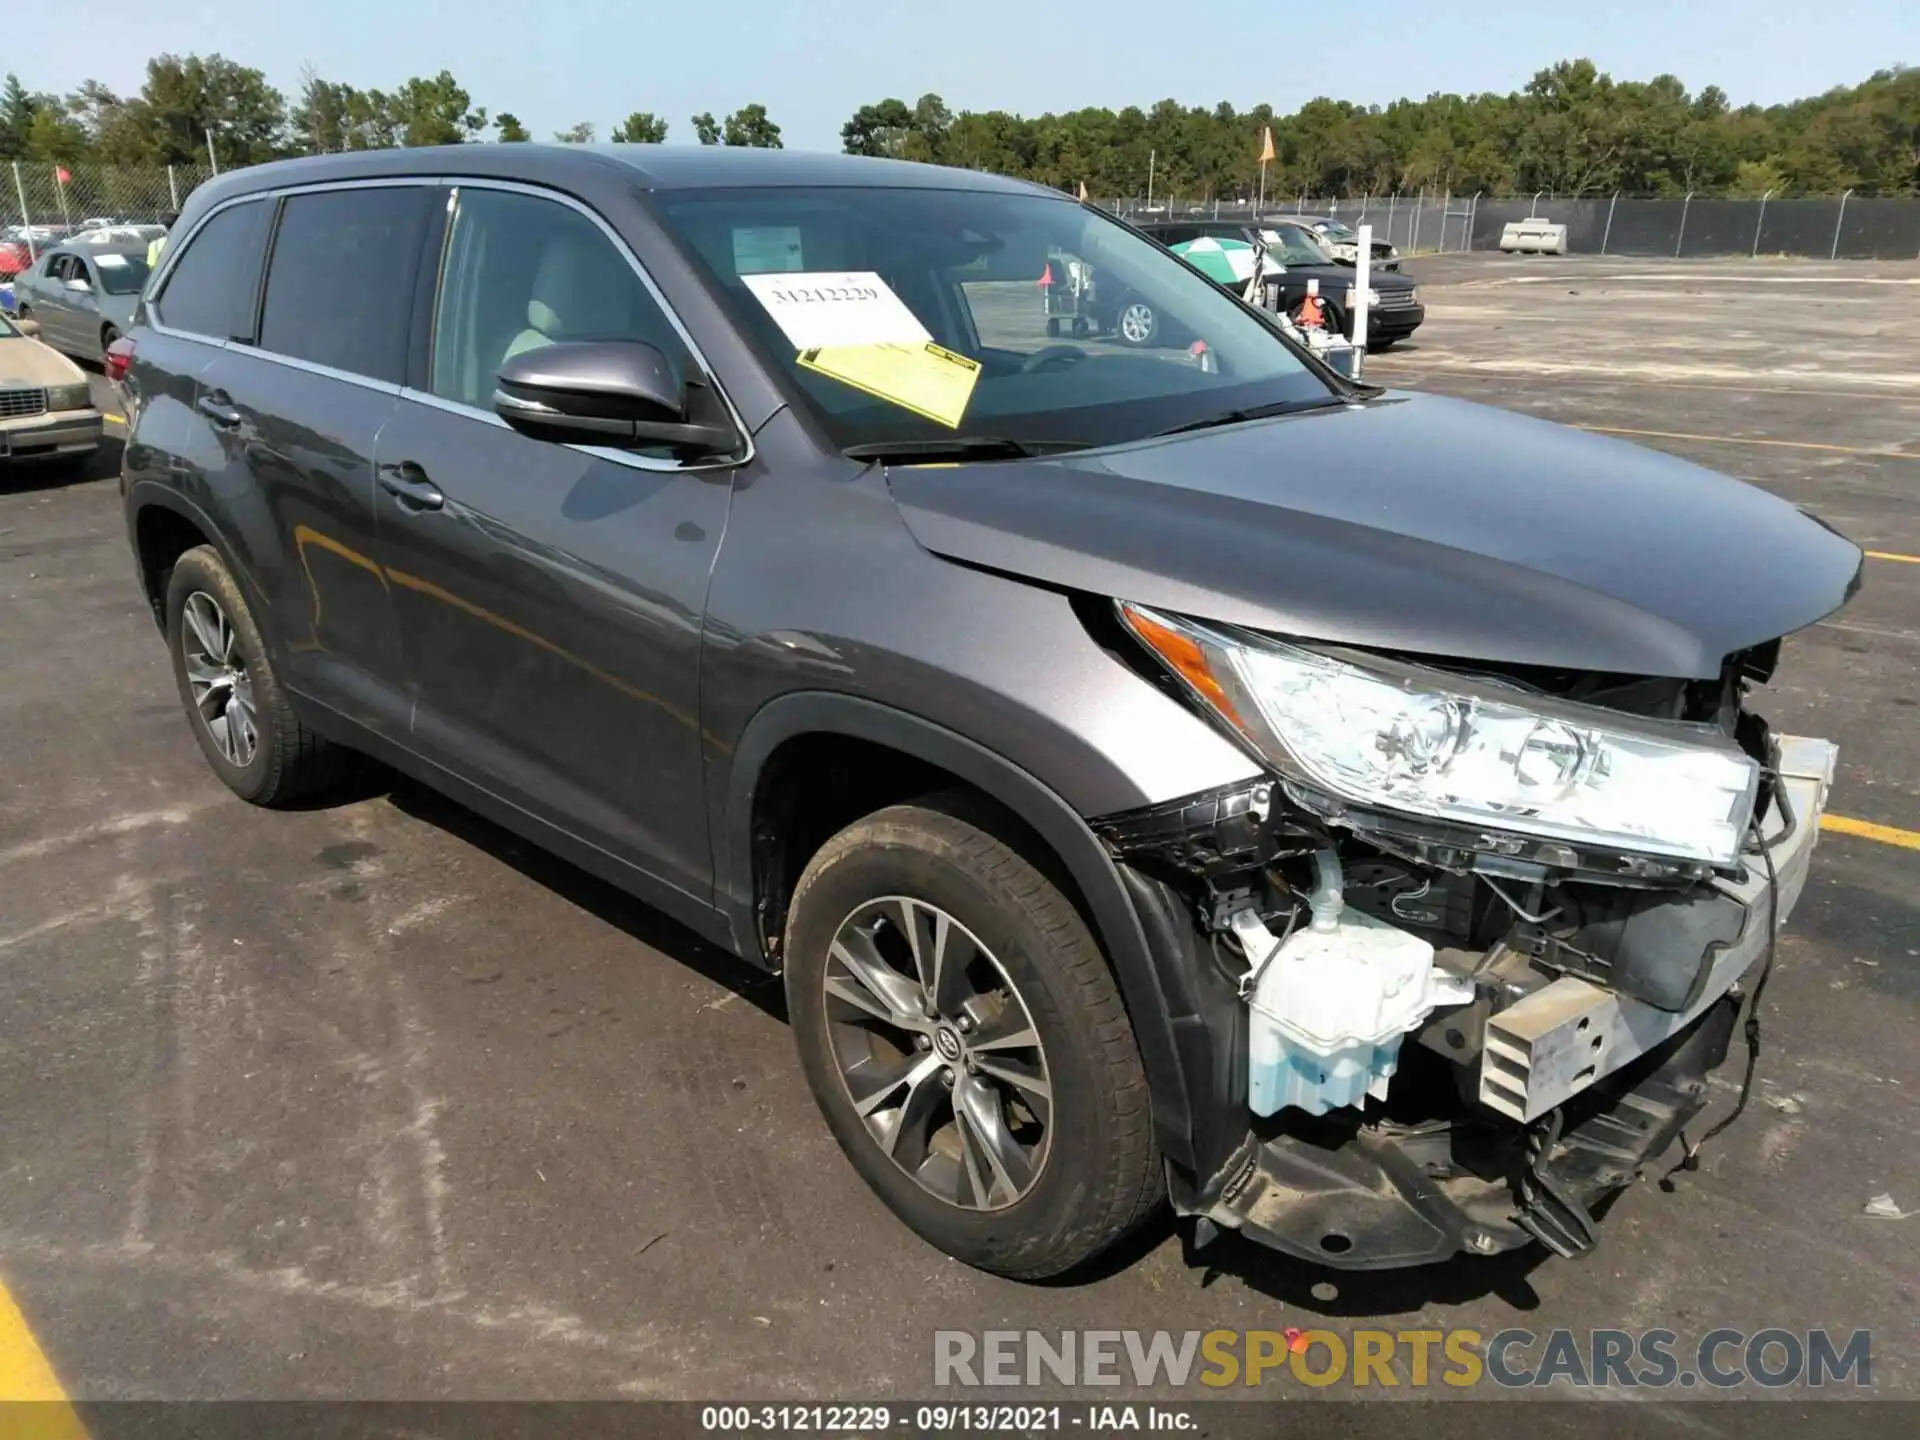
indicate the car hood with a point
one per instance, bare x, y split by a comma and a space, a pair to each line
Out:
24, 361
1412, 523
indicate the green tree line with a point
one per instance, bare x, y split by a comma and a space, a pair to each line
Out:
187, 100
1572, 130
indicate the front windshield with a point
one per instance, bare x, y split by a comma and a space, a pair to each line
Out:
904, 315
1295, 245
1335, 229
121, 274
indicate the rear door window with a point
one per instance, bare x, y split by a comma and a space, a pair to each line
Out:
211, 288
340, 283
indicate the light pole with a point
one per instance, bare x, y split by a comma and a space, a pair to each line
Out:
212, 159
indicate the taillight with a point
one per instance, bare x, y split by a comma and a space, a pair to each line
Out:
119, 357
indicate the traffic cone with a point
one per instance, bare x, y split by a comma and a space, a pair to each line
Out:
1313, 312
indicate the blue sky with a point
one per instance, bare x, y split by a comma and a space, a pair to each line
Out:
813, 62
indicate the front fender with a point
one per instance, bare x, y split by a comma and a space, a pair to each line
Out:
1158, 983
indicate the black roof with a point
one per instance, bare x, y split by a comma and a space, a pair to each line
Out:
654, 167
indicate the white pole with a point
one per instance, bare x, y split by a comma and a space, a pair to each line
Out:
65, 218
212, 159
1150, 159
1362, 284
26, 220
173, 191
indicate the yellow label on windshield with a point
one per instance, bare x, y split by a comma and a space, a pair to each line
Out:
925, 379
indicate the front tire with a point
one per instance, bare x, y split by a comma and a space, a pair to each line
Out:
966, 1042
242, 719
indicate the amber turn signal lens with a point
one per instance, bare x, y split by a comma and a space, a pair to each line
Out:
1187, 659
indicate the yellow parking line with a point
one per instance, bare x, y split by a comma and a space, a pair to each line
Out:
26, 1376
114, 419
1867, 830
1751, 440
1889, 555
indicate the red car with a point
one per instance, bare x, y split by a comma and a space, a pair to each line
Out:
14, 257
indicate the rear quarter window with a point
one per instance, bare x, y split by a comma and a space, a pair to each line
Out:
341, 280
212, 286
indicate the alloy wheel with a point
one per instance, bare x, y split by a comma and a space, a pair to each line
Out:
217, 673
1136, 323
938, 1053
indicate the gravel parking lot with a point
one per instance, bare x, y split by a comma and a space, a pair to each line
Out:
376, 1101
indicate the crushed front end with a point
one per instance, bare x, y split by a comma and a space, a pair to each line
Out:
1460, 1018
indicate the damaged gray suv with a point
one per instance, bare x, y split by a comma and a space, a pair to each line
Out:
1155, 774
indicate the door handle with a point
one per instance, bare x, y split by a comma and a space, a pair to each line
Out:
217, 407
409, 484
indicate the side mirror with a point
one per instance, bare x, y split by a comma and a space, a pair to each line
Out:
76, 283
29, 328
610, 392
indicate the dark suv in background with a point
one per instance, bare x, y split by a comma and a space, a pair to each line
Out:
1301, 255
1151, 773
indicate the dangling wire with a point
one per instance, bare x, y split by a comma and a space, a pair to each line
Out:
1690, 1159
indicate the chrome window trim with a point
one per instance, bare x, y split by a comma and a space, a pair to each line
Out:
453, 185
310, 367
601, 452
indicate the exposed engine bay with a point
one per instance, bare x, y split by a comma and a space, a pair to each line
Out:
1459, 1038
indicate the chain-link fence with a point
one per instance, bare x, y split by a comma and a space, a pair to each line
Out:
44, 195
1848, 227
1843, 227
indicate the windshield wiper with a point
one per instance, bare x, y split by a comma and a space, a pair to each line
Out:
958, 447
1252, 412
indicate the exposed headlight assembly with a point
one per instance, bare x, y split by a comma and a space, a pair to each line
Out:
1423, 742
69, 397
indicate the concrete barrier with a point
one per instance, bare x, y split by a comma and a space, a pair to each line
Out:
1534, 237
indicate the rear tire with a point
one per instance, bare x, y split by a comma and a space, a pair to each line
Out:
1084, 1169
242, 719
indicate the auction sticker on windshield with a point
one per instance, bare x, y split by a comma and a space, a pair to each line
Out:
925, 378
762, 249
820, 309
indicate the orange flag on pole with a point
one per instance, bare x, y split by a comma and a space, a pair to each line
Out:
1266, 144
